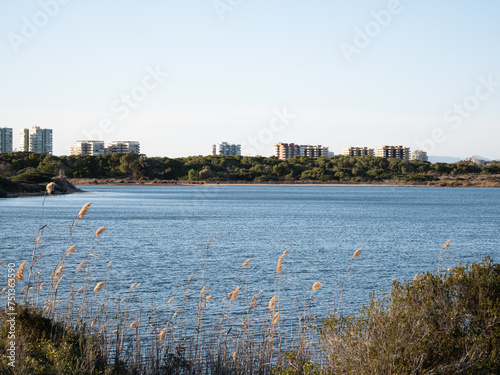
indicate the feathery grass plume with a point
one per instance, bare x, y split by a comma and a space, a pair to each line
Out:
171, 300
95, 321
276, 318
41, 285
132, 286
234, 294
357, 253
79, 290
2, 262
253, 301
58, 272
50, 188
204, 290
233, 356
80, 266
71, 250
110, 263
279, 267
123, 299
100, 230
246, 263
208, 298
272, 303
162, 334
447, 244
20, 271
416, 276
99, 286
24, 289
37, 241
316, 286
134, 324
84, 210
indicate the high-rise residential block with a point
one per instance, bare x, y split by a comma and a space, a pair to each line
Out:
419, 155
290, 150
123, 147
88, 148
225, 148
36, 140
397, 152
359, 151
5, 139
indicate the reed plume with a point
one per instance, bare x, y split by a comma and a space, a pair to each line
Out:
84, 210
357, 253
416, 276
20, 271
246, 263
447, 244
134, 324
58, 272
80, 266
276, 318
316, 286
37, 241
279, 267
99, 286
100, 230
272, 303
50, 188
208, 298
71, 250
162, 334
234, 294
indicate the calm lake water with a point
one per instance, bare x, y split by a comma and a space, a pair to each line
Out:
158, 235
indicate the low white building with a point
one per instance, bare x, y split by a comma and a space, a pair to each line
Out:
88, 148
225, 148
419, 155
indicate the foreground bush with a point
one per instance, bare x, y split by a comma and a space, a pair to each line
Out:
437, 324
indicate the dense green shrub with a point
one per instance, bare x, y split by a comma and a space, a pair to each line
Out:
440, 323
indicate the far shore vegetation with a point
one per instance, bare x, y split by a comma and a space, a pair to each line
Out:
32, 168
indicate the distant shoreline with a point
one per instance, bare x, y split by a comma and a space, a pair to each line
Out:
484, 182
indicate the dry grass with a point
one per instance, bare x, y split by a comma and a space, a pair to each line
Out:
237, 335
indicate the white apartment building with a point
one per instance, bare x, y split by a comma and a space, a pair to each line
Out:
225, 148
419, 155
36, 140
289, 150
397, 152
123, 147
359, 151
88, 148
5, 139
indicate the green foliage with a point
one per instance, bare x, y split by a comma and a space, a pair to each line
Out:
240, 168
438, 324
45, 347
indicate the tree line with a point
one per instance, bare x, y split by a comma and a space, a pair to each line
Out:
22, 166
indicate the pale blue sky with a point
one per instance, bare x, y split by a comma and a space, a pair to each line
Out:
231, 70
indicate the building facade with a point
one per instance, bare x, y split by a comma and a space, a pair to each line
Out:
289, 150
88, 148
123, 147
5, 139
359, 151
36, 140
225, 148
396, 152
419, 155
